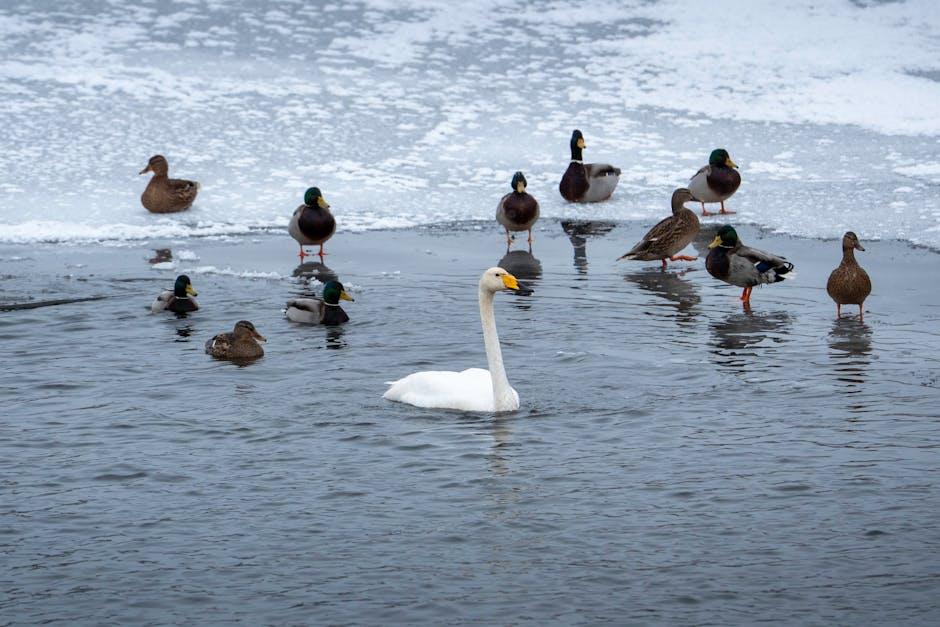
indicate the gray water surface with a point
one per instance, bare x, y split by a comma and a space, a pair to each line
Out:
677, 460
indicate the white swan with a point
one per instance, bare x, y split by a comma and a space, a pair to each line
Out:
473, 389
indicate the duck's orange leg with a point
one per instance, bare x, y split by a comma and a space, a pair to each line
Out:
301, 254
746, 295
723, 210
705, 211
321, 253
838, 311
681, 258
861, 312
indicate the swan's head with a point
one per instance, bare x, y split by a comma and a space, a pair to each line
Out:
497, 279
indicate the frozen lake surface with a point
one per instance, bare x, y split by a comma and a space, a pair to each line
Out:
409, 113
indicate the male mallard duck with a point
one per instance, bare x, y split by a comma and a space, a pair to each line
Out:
671, 235
316, 311
734, 263
177, 301
587, 182
717, 181
241, 343
517, 210
849, 283
312, 222
163, 194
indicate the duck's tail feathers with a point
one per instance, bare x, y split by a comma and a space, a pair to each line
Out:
784, 272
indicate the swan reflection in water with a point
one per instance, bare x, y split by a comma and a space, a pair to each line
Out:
578, 232
315, 270
734, 338
850, 353
670, 286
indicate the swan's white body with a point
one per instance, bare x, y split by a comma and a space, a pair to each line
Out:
473, 389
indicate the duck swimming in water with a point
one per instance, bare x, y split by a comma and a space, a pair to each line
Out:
179, 300
317, 311
240, 344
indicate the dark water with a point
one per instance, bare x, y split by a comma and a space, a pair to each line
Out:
676, 459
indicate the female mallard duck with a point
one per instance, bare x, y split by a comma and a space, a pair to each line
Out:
473, 389
312, 222
177, 301
163, 194
517, 210
587, 182
317, 311
717, 181
732, 262
849, 283
671, 235
241, 343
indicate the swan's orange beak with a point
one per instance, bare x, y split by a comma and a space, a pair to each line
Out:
510, 282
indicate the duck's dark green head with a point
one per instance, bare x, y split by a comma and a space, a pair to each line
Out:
720, 156
577, 140
518, 182
726, 237
333, 292
183, 288
314, 197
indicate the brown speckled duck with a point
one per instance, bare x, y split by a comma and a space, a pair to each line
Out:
717, 181
312, 223
849, 283
163, 194
240, 344
670, 235
518, 210
587, 182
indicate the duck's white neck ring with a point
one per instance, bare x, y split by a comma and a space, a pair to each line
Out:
331, 304
577, 161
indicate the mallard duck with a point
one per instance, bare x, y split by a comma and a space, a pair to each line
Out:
670, 235
317, 311
717, 181
312, 222
517, 210
473, 389
178, 300
241, 343
849, 283
732, 262
587, 182
163, 194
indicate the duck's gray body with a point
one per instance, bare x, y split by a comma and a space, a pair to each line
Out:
314, 311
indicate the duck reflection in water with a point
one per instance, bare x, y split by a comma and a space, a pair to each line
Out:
670, 286
524, 266
315, 270
578, 232
334, 338
850, 352
735, 338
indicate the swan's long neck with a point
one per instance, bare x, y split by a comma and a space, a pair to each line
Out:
502, 391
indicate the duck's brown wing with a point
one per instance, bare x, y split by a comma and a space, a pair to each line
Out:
182, 191
220, 345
